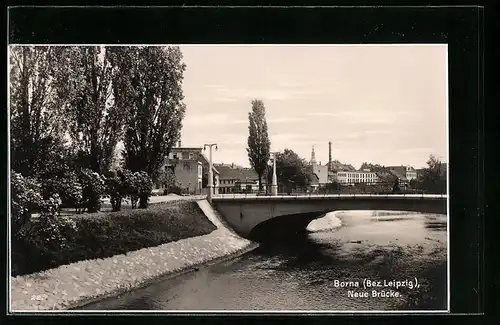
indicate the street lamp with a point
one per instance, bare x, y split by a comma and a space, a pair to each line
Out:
274, 184
210, 173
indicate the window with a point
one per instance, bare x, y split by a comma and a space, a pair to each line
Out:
185, 156
191, 156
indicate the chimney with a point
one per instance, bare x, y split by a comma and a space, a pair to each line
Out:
329, 155
179, 144
232, 165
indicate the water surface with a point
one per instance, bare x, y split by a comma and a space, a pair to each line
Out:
306, 273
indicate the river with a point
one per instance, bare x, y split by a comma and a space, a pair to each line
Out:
324, 270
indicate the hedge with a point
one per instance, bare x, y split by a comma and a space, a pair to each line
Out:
102, 235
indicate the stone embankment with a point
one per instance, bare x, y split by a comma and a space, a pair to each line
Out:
74, 285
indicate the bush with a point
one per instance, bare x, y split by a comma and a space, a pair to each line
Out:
26, 198
144, 188
57, 241
92, 189
115, 188
68, 187
130, 186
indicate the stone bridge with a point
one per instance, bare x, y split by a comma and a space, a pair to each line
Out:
257, 217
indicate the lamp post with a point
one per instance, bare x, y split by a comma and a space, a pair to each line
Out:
274, 184
210, 173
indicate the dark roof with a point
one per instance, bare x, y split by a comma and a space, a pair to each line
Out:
241, 174
180, 149
398, 174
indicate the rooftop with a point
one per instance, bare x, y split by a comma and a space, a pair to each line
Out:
237, 173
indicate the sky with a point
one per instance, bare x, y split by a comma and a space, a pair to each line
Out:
380, 104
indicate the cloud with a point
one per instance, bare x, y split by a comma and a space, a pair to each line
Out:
379, 131
213, 119
225, 99
233, 139
324, 114
367, 120
280, 120
422, 149
230, 93
214, 86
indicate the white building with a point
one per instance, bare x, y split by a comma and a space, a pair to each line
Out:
354, 177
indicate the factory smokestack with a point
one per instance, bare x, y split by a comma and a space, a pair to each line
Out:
329, 155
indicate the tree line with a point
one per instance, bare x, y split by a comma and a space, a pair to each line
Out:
70, 106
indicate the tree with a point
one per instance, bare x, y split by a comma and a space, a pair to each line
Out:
147, 84
373, 167
36, 122
431, 177
167, 179
95, 122
258, 139
292, 171
395, 187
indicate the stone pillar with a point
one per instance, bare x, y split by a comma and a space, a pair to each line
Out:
210, 172
274, 185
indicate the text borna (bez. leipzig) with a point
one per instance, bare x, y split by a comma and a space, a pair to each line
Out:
377, 287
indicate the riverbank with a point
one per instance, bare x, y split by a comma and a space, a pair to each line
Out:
77, 284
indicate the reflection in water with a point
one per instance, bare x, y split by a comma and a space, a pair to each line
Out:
302, 273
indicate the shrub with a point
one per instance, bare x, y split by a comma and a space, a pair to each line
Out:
26, 198
92, 189
115, 188
144, 188
68, 187
130, 189
57, 241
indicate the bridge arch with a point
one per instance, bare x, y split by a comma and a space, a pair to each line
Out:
248, 216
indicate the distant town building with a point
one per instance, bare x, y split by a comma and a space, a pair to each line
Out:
319, 170
355, 177
236, 179
188, 165
314, 185
404, 173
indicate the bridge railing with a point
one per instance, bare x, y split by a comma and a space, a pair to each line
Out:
315, 195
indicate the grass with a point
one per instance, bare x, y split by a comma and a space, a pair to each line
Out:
104, 234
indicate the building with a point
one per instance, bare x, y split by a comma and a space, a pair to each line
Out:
189, 166
404, 173
335, 171
359, 176
237, 179
314, 185
319, 170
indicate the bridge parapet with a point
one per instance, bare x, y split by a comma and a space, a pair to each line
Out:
226, 197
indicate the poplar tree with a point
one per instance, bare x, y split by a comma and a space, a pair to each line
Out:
95, 122
36, 121
258, 139
148, 86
